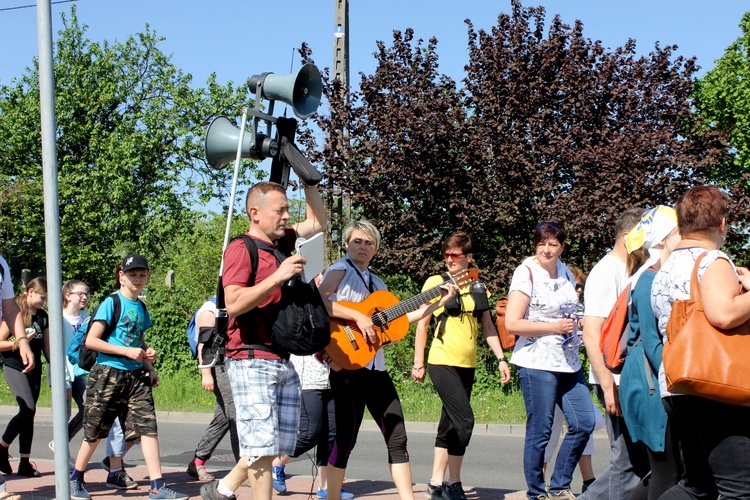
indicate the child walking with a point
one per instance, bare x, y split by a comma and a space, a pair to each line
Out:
120, 382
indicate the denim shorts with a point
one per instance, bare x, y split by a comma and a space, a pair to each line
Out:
267, 396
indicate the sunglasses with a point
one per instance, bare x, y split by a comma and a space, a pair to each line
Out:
82, 295
453, 256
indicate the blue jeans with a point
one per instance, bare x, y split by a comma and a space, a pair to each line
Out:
542, 391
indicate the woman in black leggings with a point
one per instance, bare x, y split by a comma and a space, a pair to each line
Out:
24, 383
350, 281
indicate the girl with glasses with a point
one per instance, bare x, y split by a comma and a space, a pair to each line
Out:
75, 296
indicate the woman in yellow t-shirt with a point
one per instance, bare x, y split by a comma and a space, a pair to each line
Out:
452, 361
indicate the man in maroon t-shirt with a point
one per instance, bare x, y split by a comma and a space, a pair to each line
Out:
265, 386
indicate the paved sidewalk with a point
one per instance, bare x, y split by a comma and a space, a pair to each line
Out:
299, 487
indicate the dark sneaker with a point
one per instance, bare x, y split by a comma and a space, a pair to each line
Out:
105, 464
210, 492
5, 467
120, 480
77, 491
454, 492
199, 473
279, 478
27, 469
165, 492
435, 492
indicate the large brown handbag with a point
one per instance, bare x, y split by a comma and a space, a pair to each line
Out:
702, 360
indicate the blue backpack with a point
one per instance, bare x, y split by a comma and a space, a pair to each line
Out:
192, 332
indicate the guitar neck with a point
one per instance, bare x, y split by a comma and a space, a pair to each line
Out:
411, 304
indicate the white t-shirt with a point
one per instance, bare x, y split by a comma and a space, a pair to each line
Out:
313, 374
605, 282
672, 282
6, 284
546, 299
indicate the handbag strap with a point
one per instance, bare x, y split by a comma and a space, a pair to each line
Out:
695, 292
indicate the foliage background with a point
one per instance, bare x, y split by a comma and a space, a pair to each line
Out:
545, 124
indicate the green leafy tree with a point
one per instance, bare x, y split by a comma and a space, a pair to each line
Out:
548, 124
722, 100
130, 129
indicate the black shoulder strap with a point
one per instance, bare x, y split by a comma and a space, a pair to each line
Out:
371, 285
442, 319
115, 317
252, 250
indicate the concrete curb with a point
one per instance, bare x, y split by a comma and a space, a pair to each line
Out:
44, 415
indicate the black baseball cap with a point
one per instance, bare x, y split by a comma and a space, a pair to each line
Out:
134, 261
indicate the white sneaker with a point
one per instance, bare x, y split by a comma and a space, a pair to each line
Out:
71, 460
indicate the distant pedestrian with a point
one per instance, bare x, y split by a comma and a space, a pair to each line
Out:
75, 296
317, 424
628, 462
216, 380
25, 384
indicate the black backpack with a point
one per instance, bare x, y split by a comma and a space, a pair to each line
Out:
86, 356
302, 324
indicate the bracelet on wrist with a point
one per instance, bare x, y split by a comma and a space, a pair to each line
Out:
502, 359
417, 367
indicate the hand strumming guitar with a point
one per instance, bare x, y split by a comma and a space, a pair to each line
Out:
367, 327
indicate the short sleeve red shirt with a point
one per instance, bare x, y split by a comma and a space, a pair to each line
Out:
252, 326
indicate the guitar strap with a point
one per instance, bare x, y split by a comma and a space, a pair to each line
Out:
369, 285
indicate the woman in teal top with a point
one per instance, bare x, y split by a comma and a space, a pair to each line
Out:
655, 236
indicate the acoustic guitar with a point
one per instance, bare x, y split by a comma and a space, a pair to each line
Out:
349, 350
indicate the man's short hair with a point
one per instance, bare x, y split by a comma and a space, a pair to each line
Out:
366, 227
627, 220
256, 193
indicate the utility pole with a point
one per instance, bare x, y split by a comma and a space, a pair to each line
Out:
341, 43
335, 201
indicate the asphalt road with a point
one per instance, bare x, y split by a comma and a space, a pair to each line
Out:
493, 460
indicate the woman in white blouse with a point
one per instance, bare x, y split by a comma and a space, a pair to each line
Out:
541, 298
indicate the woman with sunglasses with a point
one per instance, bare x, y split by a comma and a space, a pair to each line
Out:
541, 298
451, 364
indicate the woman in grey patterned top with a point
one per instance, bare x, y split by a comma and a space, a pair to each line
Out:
715, 437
